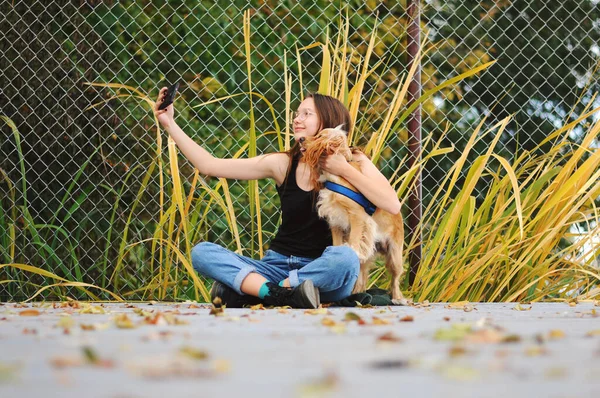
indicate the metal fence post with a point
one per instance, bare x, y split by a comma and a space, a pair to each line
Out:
414, 137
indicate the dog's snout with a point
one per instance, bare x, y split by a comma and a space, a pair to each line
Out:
302, 139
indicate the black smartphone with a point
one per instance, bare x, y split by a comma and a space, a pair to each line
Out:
169, 97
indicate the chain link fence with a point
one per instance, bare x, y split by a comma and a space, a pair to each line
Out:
82, 188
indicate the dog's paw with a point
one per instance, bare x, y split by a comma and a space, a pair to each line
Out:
402, 301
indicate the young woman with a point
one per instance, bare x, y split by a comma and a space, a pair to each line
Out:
301, 267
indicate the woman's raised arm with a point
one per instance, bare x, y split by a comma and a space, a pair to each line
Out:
259, 167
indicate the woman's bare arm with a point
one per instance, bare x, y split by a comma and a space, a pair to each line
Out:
259, 167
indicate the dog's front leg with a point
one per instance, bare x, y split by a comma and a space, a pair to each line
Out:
363, 276
337, 234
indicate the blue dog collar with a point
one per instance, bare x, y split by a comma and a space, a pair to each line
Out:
355, 196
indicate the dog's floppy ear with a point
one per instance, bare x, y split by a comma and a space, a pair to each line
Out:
340, 127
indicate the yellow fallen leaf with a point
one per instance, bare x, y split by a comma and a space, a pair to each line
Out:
593, 333
320, 387
459, 305
92, 309
142, 312
380, 321
327, 322
338, 328
461, 373
122, 321
193, 353
222, 365
535, 351
258, 306
518, 307
556, 334
318, 311
556, 373
95, 326
65, 323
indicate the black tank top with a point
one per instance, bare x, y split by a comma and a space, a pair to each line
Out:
301, 233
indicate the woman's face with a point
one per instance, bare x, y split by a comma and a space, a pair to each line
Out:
306, 122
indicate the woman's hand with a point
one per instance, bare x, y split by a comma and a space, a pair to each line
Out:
165, 116
335, 164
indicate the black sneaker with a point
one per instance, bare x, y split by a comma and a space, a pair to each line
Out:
230, 297
305, 295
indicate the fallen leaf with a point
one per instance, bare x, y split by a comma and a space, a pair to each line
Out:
194, 306
258, 306
457, 331
511, 338
408, 318
352, 316
488, 336
556, 334
447, 318
459, 305
457, 351
461, 373
390, 364
194, 353
222, 365
391, 337
380, 321
92, 309
518, 307
320, 387
593, 333
29, 313
65, 323
142, 312
29, 331
92, 358
217, 311
535, 351
66, 361
8, 372
556, 373
318, 311
122, 321
167, 368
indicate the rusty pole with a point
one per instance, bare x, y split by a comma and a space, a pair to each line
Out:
414, 138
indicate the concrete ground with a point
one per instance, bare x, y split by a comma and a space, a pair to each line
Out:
155, 350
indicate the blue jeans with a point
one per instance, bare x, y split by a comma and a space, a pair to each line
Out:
334, 273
